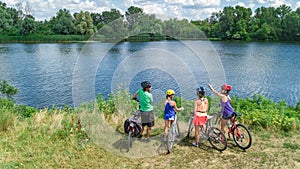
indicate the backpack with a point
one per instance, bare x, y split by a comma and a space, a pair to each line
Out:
137, 126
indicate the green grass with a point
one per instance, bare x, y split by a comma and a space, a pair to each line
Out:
43, 38
51, 139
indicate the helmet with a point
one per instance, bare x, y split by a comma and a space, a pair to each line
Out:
146, 84
226, 87
170, 92
201, 89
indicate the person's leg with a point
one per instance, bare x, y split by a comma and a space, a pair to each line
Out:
223, 124
149, 125
197, 134
196, 143
148, 131
143, 127
166, 129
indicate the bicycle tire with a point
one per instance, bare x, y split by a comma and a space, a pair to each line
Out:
190, 127
217, 139
177, 131
130, 140
170, 140
242, 136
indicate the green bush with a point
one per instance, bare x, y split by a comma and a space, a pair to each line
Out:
260, 111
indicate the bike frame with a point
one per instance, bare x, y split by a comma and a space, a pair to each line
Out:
238, 131
173, 132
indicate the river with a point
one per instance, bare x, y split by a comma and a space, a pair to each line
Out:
69, 74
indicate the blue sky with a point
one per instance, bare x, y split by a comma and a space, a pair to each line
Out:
189, 9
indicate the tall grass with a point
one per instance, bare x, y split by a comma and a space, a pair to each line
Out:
7, 120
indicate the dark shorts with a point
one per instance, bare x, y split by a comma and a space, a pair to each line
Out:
147, 118
150, 124
227, 117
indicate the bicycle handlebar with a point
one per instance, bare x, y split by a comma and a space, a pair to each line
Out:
136, 99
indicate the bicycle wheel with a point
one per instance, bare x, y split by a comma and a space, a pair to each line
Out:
217, 139
130, 140
190, 127
171, 139
177, 131
242, 136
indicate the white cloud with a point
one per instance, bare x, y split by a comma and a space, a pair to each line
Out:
204, 13
277, 3
240, 4
261, 1
194, 2
190, 9
298, 5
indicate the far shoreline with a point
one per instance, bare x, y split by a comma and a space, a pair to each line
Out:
89, 39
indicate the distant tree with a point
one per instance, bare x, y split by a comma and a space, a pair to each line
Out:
132, 14
63, 23
6, 22
227, 23
96, 18
84, 23
109, 16
268, 16
283, 11
291, 27
263, 33
28, 26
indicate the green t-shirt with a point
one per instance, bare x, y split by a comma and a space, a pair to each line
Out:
145, 100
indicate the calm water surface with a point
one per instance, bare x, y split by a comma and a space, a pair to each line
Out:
58, 74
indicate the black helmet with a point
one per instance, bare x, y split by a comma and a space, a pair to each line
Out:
201, 90
146, 84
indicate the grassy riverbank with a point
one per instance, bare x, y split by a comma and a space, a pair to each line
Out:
82, 38
91, 136
48, 140
43, 38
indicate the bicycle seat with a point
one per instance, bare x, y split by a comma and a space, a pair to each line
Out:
209, 117
236, 114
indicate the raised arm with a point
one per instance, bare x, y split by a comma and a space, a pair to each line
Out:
220, 95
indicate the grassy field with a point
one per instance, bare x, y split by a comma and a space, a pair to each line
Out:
52, 140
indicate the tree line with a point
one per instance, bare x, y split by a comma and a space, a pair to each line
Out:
232, 23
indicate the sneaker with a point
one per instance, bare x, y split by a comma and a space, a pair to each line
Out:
195, 144
148, 139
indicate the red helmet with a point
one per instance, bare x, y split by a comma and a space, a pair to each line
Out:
226, 87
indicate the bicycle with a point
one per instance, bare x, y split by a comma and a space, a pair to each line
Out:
172, 134
240, 133
133, 127
215, 136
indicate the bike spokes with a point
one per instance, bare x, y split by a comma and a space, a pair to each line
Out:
217, 139
242, 136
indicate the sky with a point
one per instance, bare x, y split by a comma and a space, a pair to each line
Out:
164, 9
